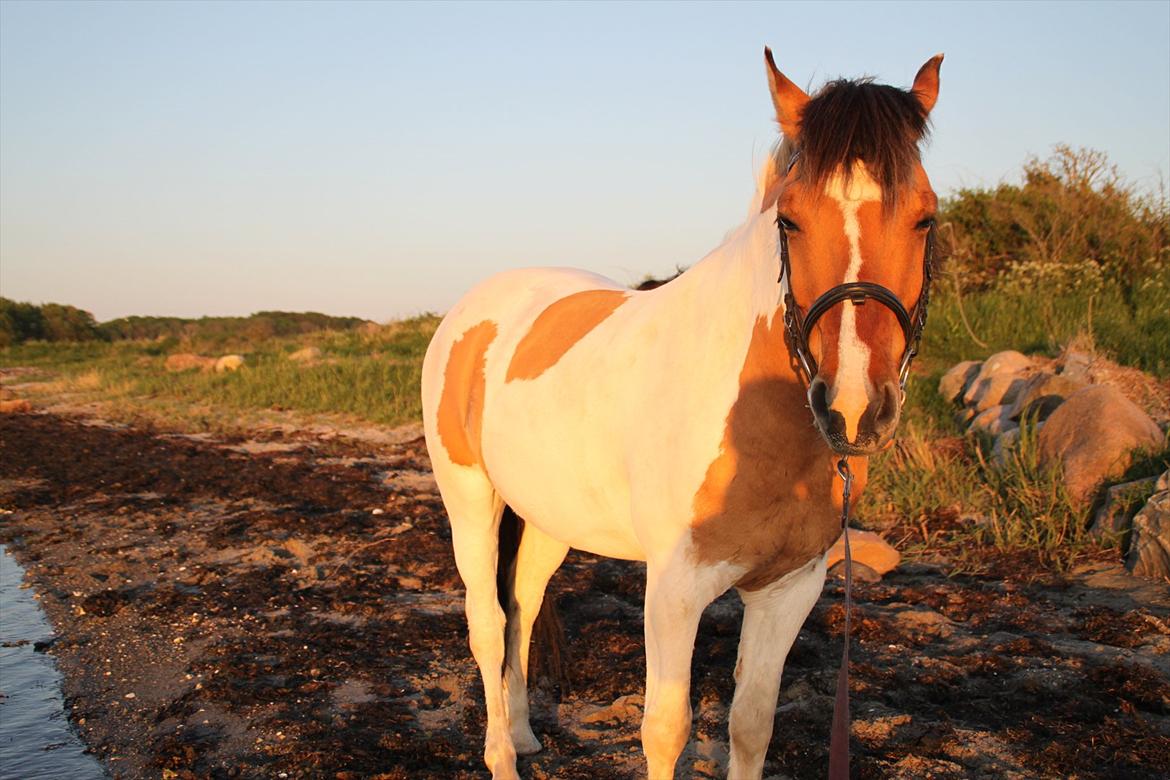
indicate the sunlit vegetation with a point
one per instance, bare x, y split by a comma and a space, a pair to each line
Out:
1071, 252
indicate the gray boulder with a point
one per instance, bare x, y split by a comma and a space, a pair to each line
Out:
1005, 444
1149, 546
1115, 517
1042, 393
995, 420
954, 383
1091, 436
995, 390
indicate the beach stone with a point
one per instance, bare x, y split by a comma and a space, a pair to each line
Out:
995, 390
995, 420
1149, 545
1091, 436
306, 355
1004, 445
867, 548
861, 572
954, 383
185, 361
1115, 517
1042, 393
1007, 362
1077, 365
229, 363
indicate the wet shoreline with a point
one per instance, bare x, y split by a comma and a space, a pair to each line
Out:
36, 740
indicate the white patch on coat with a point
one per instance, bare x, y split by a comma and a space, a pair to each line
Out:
852, 389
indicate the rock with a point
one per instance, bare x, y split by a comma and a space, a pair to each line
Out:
185, 361
1149, 545
1042, 394
868, 549
1005, 444
1091, 437
1077, 365
1007, 362
229, 363
15, 406
954, 383
861, 572
919, 620
995, 390
996, 420
1113, 520
624, 708
306, 355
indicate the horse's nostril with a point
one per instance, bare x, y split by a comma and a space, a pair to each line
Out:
886, 412
818, 397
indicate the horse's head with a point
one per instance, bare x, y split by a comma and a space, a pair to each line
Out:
855, 212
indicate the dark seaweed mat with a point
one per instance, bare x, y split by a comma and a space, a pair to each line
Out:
97, 506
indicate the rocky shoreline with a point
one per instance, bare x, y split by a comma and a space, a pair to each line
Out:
286, 605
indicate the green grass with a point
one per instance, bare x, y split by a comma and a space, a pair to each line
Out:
373, 376
1131, 327
937, 484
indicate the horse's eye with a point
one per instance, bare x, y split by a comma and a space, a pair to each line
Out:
786, 224
925, 224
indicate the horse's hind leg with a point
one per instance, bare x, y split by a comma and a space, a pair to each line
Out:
475, 512
772, 618
538, 557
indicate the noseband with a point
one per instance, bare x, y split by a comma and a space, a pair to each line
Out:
798, 325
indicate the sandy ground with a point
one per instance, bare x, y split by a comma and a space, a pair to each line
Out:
285, 604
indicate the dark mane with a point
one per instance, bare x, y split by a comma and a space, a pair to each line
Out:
849, 121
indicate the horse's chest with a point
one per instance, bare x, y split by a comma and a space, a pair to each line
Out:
770, 500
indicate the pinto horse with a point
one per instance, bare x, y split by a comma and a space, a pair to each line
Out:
673, 426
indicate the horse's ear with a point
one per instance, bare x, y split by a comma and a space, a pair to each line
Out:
926, 83
788, 98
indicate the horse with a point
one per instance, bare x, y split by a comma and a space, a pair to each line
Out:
673, 426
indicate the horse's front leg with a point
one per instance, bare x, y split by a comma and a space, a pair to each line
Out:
772, 618
676, 595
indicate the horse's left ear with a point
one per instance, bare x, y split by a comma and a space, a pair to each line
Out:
926, 83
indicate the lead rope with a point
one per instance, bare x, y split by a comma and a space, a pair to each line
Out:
839, 735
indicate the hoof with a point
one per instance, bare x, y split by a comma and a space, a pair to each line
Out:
526, 743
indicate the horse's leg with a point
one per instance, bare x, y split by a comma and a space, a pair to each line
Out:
676, 595
475, 510
537, 559
772, 618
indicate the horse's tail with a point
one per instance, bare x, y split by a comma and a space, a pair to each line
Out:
547, 655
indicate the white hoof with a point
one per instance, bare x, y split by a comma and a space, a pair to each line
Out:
525, 741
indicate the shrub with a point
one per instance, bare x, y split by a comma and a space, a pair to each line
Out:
1072, 223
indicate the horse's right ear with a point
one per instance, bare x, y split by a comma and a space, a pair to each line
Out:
788, 98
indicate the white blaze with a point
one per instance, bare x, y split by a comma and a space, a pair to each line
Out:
850, 395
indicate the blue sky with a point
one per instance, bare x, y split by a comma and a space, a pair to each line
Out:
379, 159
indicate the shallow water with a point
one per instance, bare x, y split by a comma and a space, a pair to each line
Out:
36, 740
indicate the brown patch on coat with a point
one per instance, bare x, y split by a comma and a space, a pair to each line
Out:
558, 328
460, 414
771, 500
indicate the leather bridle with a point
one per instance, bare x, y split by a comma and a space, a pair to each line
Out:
798, 324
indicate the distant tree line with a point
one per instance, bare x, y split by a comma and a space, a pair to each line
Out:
21, 322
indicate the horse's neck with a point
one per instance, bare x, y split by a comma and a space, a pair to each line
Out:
735, 285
